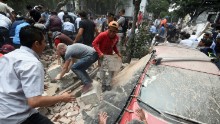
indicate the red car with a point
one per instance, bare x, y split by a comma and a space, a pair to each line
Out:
178, 85
173, 84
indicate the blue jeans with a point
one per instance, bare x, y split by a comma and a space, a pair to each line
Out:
79, 68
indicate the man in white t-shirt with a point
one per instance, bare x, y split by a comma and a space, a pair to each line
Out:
68, 29
78, 19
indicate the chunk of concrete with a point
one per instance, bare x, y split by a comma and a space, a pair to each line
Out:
54, 70
67, 80
93, 96
65, 120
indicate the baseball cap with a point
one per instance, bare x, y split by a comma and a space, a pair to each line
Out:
113, 24
7, 48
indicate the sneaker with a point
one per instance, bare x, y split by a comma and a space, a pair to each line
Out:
86, 88
108, 88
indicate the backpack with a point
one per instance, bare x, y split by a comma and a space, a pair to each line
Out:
125, 25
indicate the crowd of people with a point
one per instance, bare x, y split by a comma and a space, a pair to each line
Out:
76, 39
207, 40
79, 41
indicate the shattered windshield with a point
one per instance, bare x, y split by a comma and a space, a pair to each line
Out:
188, 94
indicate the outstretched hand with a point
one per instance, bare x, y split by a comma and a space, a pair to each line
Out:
67, 97
103, 117
140, 114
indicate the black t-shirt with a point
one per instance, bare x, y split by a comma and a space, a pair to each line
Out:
35, 15
104, 26
88, 32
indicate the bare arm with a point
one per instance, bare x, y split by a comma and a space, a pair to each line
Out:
64, 69
79, 34
45, 101
96, 32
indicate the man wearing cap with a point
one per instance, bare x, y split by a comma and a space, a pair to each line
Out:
105, 44
106, 22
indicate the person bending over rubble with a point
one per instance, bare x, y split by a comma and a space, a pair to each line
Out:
22, 82
105, 43
86, 56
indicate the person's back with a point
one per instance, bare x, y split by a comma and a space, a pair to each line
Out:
67, 16
88, 31
55, 23
13, 26
16, 39
79, 51
36, 15
68, 26
78, 19
153, 29
62, 38
162, 31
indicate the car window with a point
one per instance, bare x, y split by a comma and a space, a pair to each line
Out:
190, 94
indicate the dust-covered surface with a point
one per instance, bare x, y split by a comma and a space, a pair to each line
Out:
114, 101
186, 93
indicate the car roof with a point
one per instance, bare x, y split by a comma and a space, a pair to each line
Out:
189, 55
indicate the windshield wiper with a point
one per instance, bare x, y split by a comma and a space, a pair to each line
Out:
182, 118
172, 59
149, 105
166, 115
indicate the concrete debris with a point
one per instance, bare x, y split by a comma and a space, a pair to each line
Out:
65, 120
54, 70
93, 96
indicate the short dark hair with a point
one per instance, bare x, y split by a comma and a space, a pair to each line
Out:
109, 14
82, 14
123, 11
30, 34
207, 42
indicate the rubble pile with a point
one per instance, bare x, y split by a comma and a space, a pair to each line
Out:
69, 113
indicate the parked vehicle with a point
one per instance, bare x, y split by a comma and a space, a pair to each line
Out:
178, 85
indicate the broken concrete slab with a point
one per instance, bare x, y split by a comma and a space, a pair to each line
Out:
54, 70
93, 96
115, 100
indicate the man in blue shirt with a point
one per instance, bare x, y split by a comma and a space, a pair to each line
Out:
16, 39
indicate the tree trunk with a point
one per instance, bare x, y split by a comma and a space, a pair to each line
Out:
131, 39
61, 4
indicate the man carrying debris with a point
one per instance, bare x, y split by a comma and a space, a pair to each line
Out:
105, 43
86, 56
22, 77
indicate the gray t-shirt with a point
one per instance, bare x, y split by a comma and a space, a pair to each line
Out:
121, 22
78, 51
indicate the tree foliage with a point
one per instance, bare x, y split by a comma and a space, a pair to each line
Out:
194, 7
158, 7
